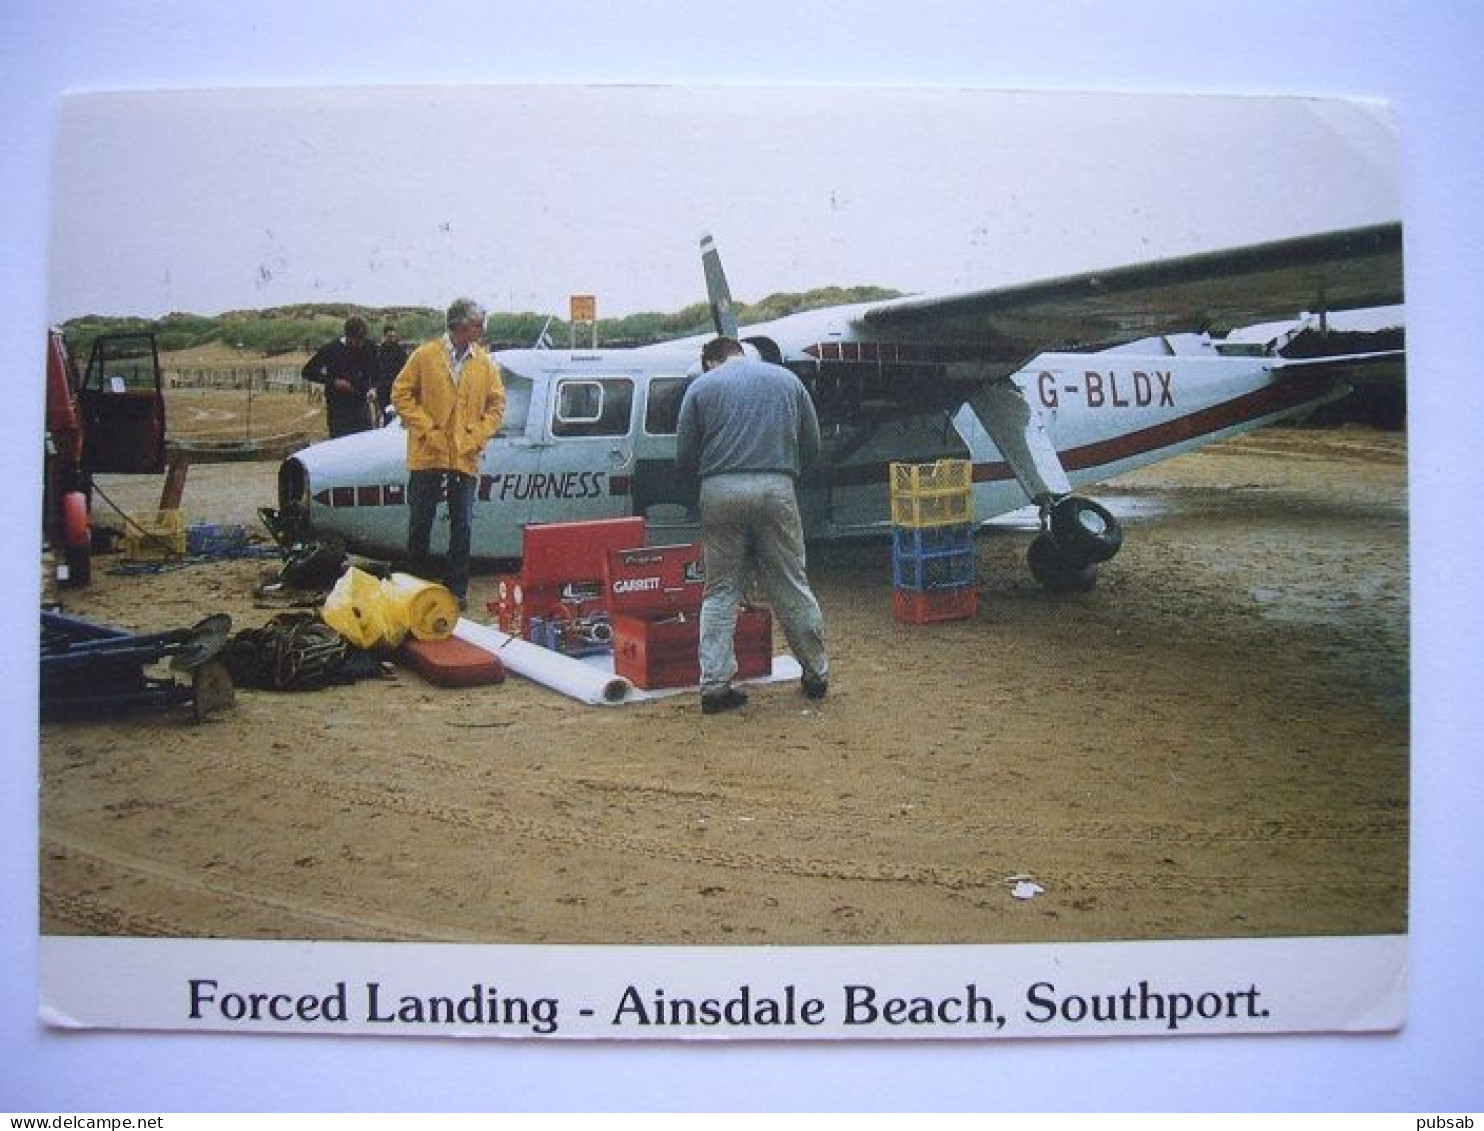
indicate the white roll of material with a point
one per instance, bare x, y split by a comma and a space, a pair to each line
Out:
550, 669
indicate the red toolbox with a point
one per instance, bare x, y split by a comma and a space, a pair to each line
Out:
561, 573
654, 581
557, 552
661, 650
453, 662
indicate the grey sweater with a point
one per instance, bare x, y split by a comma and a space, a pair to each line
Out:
746, 415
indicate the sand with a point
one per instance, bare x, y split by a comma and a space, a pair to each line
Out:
1214, 743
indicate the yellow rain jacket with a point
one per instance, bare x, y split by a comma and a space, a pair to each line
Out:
448, 425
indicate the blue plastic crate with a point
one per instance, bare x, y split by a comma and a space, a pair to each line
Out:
932, 539
952, 569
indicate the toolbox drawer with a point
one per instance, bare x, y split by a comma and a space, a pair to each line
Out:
662, 652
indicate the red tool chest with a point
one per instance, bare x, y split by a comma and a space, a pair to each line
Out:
654, 602
561, 571
654, 581
557, 552
662, 651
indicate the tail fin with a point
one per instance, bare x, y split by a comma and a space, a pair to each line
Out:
718, 294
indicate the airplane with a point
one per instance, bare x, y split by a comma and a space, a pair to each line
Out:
1045, 386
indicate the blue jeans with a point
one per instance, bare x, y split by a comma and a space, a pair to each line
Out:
424, 491
750, 528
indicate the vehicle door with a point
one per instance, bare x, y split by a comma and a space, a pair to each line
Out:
664, 495
121, 405
587, 465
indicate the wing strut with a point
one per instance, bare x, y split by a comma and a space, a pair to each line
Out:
1003, 414
1077, 534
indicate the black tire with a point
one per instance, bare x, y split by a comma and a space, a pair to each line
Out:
1086, 531
1055, 571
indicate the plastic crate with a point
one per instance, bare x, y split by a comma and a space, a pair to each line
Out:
932, 494
931, 539
155, 536
951, 569
924, 606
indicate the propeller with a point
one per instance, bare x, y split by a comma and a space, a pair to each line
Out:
718, 294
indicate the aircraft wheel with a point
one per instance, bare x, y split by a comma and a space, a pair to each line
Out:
1056, 572
1086, 531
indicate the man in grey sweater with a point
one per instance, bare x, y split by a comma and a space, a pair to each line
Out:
748, 429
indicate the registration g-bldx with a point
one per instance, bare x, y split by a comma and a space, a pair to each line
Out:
1045, 387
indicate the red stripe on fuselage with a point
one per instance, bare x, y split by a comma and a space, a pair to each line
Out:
1253, 406
1240, 410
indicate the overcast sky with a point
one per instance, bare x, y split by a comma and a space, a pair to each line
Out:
206, 201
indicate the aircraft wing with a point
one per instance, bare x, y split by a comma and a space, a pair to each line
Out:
1211, 291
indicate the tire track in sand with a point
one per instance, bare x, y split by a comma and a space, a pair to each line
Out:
104, 917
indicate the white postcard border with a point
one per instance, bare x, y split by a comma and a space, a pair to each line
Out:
1023, 991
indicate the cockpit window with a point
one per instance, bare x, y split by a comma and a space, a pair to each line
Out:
517, 404
593, 406
662, 412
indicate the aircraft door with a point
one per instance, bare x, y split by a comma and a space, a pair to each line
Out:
587, 469
667, 497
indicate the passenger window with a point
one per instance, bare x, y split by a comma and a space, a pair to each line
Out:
593, 407
662, 412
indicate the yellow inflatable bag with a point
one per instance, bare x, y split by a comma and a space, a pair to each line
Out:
424, 608
358, 609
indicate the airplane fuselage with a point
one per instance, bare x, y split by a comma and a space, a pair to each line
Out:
591, 434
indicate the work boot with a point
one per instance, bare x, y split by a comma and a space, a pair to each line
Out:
814, 686
724, 700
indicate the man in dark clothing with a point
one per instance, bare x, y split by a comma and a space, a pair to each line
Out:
749, 428
391, 355
346, 368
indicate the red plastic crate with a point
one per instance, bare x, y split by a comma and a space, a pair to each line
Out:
911, 606
663, 652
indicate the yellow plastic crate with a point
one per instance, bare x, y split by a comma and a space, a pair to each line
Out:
155, 536
932, 494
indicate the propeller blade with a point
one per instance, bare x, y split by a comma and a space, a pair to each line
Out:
718, 294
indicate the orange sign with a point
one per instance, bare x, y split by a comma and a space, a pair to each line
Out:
584, 308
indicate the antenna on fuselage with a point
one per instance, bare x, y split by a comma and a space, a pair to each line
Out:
718, 294
543, 339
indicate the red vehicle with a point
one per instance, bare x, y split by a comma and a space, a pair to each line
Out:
111, 419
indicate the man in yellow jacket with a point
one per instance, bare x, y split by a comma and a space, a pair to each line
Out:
451, 400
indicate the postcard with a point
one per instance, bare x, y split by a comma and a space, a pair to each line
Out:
1067, 698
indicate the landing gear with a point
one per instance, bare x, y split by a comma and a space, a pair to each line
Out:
1076, 535
1086, 531
1055, 571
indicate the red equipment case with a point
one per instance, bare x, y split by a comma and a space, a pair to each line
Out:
654, 603
562, 566
654, 652
654, 581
